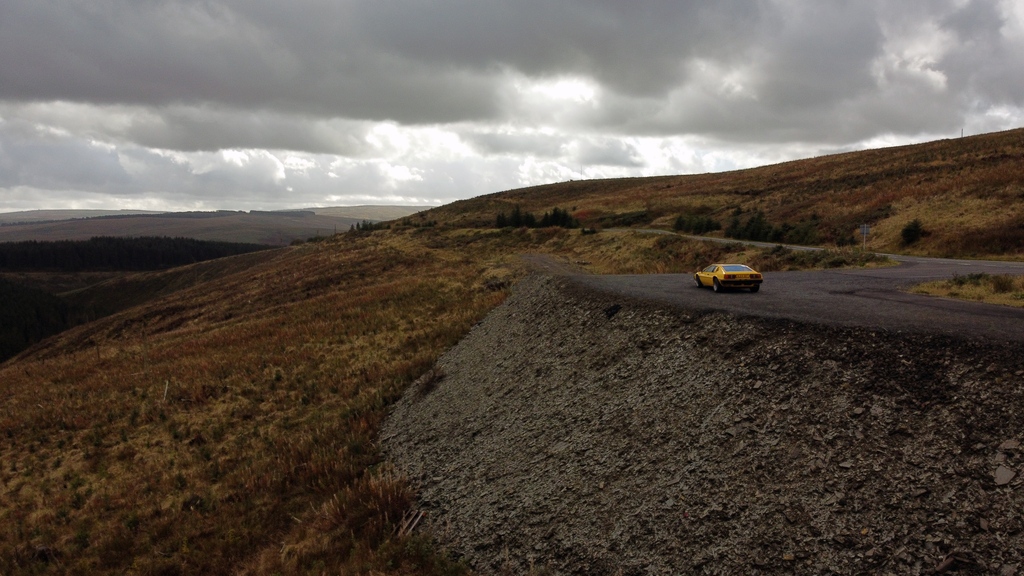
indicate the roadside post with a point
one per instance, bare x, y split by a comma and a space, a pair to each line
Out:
864, 229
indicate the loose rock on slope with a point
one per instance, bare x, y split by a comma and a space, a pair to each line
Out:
562, 439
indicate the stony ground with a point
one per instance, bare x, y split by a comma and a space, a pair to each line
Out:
577, 433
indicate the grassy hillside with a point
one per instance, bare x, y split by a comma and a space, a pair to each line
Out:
967, 193
198, 432
230, 425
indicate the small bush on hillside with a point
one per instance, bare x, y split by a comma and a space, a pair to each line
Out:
912, 232
1002, 283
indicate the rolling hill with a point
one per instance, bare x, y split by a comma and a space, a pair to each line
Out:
967, 193
278, 228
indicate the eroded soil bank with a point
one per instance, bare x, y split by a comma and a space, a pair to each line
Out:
578, 433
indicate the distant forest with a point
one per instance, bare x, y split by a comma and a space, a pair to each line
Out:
28, 315
110, 253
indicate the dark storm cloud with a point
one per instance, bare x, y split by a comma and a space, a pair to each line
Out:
458, 95
304, 57
446, 61
412, 62
631, 48
203, 128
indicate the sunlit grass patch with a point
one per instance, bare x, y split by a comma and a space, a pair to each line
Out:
1000, 289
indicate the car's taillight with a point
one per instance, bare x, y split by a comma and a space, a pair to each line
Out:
730, 276
755, 276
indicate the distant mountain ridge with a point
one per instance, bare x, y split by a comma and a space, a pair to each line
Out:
368, 212
256, 227
26, 216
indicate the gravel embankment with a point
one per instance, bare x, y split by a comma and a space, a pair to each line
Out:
578, 433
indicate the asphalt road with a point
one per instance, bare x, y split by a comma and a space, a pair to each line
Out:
871, 298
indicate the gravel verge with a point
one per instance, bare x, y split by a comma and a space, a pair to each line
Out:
574, 432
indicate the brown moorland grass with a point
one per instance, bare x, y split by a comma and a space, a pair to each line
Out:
230, 427
968, 193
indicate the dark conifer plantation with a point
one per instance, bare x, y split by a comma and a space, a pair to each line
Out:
111, 253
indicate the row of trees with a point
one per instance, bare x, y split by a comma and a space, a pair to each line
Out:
694, 224
808, 232
27, 316
368, 226
758, 228
520, 219
111, 253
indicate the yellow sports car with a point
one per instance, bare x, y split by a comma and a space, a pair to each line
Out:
722, 276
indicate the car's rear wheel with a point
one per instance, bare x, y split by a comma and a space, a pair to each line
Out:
716, 285
696, 280
755, 288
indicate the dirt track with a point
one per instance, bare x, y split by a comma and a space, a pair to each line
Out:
582, 432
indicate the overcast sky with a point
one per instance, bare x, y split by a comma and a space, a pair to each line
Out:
262, 104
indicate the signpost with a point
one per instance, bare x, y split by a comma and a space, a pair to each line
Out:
864, 229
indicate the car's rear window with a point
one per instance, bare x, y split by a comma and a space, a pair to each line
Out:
736, 268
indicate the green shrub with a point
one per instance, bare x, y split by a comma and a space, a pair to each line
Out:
557, 217
694, 224
1002, 283
973, 279
912, 232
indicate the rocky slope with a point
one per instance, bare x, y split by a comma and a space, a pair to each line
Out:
578, 433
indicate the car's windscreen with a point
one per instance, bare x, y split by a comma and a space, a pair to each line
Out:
736, 268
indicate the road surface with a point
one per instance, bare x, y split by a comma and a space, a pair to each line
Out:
865, 297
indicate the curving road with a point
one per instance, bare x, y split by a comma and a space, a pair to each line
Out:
872, 298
